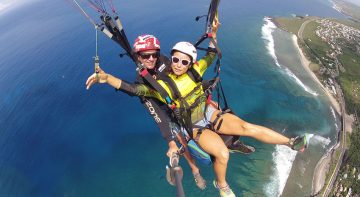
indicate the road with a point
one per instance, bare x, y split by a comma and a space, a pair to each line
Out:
302, 27
342, 142
342, 134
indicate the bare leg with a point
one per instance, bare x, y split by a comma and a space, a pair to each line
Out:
233, 125
214, 145
188, 157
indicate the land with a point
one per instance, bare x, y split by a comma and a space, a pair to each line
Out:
330, 52
347, 8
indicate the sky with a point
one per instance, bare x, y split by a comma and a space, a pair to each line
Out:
357, 2
7, 5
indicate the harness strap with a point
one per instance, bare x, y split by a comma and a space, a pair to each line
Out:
218, 116
220, 88
146, 75
172, 86
219, 125
194, 75
197, 137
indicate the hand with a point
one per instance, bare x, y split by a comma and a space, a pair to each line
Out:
173, 148
215, 25
98, 77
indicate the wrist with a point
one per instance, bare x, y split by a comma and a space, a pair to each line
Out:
172, 144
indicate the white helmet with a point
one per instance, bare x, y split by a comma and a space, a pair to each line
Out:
187, 48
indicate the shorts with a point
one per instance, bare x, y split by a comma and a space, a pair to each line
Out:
205, 121
208, 114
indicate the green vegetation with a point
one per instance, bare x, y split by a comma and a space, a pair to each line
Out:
314, 67
349, 23
316, 46
350, 79
339, 59
347, 178
317, 51
350, 172
291, 25
334, 161
351, 90
354, 152
348, 140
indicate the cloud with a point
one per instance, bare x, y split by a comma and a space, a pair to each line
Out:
6, 5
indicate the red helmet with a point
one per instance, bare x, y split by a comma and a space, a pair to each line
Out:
146, 42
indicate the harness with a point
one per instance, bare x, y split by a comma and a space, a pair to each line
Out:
185, 109
183, 112
221, 99
113, 28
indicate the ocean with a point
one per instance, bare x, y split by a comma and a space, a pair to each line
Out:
59, 139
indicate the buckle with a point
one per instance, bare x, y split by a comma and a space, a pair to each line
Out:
143, 71
172, 106
208, 101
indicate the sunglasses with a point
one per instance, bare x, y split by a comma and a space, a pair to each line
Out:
148, 55
183, 61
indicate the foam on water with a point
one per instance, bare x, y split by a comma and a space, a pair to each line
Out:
334, 115
337, 8
283, 158
317, 139
267, 30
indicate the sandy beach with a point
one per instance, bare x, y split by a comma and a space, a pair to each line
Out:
305, 62
322, 166
321, 169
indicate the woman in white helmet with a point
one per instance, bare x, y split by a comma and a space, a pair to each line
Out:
191, 103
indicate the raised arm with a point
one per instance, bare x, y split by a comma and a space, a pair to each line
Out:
101, 77
132, 89
208, 59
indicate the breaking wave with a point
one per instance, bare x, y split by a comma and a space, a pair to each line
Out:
283, 158
334, 115
267, 30
317, 139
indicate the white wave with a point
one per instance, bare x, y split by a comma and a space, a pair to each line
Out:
266, 31
298, 81
300, 186
283, 158
317, 139
336, 7
334, 115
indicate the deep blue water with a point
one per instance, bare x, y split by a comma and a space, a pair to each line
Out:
57, 139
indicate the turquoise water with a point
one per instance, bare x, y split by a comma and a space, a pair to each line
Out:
57, 139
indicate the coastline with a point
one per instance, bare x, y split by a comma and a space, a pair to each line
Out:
323, 164
305, 63
322, 167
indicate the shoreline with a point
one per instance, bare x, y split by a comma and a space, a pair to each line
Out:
321, 168
306, 63
323, 164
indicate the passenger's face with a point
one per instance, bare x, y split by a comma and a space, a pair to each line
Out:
180, 63
148, 58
